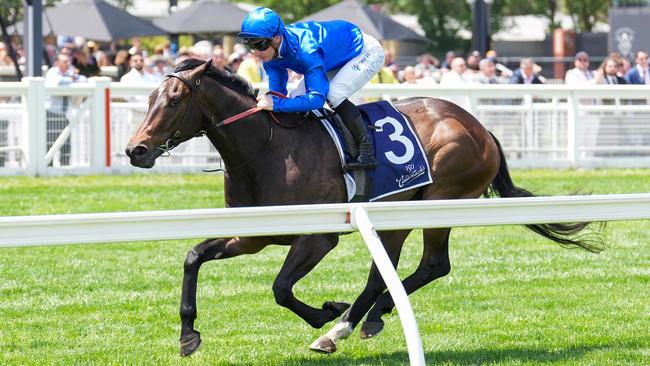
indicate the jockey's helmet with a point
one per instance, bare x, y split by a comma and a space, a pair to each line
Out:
261, 23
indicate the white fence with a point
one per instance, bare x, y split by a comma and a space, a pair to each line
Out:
538, 125
365, 217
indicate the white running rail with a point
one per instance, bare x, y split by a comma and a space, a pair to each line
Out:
326, 218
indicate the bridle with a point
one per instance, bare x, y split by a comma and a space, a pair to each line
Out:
177, 138
194, 86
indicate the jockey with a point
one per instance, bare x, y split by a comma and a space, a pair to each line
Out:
335, 58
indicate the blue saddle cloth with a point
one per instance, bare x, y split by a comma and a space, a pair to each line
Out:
402, 163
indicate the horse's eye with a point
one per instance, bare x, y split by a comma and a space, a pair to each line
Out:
174, 102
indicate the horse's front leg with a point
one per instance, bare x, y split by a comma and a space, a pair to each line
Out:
306, 251
208, 250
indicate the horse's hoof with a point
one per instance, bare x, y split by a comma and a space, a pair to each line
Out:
190, 343
337, 308
324, 344
371, 329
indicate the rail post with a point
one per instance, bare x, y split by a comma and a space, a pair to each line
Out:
359, 220
98, 124
34, 117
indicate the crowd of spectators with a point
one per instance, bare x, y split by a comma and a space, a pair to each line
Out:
133, 64
475, 69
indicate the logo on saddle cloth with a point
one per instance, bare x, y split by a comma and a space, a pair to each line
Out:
402, 163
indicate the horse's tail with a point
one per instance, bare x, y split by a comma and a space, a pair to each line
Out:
563, 234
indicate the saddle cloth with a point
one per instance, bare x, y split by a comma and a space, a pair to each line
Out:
402, 163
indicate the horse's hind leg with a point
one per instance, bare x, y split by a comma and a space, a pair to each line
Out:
305, 253
208, 250
393, 242
434, 264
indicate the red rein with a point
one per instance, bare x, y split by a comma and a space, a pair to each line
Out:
252, 111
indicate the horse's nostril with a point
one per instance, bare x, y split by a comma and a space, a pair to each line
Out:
137, 151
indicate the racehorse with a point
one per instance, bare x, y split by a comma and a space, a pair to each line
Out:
282, 159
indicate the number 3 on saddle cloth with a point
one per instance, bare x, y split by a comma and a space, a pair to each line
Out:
402, 163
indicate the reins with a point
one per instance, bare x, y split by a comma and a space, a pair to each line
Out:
176, 139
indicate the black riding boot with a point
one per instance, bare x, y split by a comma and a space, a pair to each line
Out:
352, 118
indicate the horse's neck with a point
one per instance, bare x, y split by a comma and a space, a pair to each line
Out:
241, 140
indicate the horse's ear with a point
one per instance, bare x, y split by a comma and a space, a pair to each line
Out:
208, 65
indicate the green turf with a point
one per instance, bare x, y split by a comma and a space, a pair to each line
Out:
512, 298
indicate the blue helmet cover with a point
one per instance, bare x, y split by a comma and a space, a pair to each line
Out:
261, 23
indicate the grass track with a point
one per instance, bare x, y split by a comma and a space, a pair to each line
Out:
512, 298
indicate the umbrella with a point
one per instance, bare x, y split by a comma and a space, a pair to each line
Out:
94, 19
204, 16
372, 22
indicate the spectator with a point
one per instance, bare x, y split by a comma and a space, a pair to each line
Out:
83, 66
234, 60
136, 47
580, 74
624, 66
472, 71
525, 73
218, 58
389, 62
90, 49
137, 74
446, 65
409, 75
158, 50
62, 73
488, 72
251, 69
639, 73
608, 73
413, 76
182, 55
425, 66
103, 59
56, 107
456, 76
202, 50
122, 59
501, 69
5, 60
160, 68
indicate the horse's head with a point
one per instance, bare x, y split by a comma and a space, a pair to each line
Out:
174, 116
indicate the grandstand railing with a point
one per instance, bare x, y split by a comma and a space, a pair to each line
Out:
553, 126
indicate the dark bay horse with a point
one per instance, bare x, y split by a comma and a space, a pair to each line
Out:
267, 163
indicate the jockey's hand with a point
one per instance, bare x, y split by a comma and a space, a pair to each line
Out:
265, 102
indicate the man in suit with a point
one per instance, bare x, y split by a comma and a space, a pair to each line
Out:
580, 74
639, 73
524, 74
608, 73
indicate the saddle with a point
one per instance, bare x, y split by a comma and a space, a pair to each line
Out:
362, 182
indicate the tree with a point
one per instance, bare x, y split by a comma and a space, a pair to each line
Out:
12, 10
294, 10
122, 4
585, 13
547, 8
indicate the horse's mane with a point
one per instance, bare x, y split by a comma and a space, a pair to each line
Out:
231, 81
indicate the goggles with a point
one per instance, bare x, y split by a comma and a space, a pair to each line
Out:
259, 44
